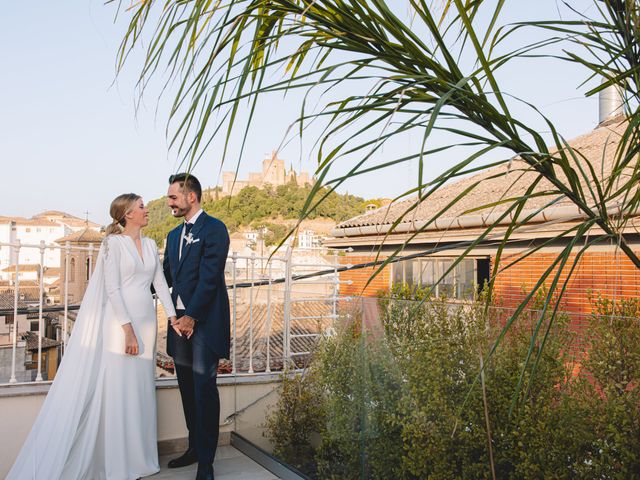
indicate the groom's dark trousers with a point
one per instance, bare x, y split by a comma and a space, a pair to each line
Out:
196, 368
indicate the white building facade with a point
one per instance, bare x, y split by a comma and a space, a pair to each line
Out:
46, 227
5, 252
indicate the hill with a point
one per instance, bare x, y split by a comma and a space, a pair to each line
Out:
253, 207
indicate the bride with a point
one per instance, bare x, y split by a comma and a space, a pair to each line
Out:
99, 419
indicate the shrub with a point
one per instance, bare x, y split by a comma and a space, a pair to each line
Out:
609, 390
406, 401
298, 415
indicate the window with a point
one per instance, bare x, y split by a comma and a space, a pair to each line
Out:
461, 282
483, 268
28, 230
87, 269
72, 270
29, 362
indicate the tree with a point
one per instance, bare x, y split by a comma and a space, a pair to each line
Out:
253, 206
434, 70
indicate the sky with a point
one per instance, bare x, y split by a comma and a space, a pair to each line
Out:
72, 139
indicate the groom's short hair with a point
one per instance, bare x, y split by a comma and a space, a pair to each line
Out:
188, 182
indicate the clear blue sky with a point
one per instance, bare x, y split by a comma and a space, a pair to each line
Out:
70, 138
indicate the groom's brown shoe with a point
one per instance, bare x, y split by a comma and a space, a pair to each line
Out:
187, 458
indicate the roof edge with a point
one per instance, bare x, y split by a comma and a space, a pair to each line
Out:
556, 214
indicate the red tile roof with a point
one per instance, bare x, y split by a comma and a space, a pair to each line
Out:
32, 341
86, 235
506, 180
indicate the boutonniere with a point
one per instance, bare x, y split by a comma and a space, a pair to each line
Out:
189, 239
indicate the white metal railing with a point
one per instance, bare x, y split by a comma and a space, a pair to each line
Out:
270, 285
277, 278
15, 249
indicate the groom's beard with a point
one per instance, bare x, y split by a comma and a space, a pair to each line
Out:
178, 212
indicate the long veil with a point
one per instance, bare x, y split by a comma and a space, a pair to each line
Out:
64, 435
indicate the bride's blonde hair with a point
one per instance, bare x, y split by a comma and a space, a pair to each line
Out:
120, 206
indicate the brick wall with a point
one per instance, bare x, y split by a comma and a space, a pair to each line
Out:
361, 276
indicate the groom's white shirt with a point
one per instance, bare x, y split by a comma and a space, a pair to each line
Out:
179, 304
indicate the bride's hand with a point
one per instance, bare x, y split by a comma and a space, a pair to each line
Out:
130, 340
172, 321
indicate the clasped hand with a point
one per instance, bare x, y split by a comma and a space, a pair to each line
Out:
183, 325
130, 340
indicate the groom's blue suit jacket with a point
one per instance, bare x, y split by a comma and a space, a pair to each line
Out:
198, 277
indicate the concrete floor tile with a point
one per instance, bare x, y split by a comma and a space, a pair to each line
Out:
230, 464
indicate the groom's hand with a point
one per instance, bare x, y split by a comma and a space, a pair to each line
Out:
185, 324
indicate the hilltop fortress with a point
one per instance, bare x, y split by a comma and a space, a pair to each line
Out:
273, 173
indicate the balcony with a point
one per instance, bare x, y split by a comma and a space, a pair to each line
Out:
394, 388
278, 314
20, 403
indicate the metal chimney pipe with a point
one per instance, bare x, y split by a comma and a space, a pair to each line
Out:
611, 103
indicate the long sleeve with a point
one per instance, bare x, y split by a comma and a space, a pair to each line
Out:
112, 280
161, 287
166, 266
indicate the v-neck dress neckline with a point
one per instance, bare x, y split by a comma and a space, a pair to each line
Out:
137, 254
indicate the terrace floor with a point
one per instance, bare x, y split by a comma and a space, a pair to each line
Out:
230, 464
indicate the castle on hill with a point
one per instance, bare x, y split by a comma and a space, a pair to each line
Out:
273, 173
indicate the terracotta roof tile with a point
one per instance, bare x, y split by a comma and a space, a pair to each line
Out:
33, 222
48, 219
64, 217
23, 267
32, 341
7, 301
29, 290
86, 235
506, 180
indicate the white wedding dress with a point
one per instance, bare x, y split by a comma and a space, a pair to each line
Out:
99, 418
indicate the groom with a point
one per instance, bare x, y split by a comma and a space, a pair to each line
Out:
194, 263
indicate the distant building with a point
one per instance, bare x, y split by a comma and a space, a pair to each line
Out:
603, 270
273, 173
31, 272
81, 262
251, 237
309, 239
50, 355
7, 319
28, 326
47, 227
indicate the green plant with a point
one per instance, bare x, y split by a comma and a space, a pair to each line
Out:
253, 207
610, 389
403, 401
298, 415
